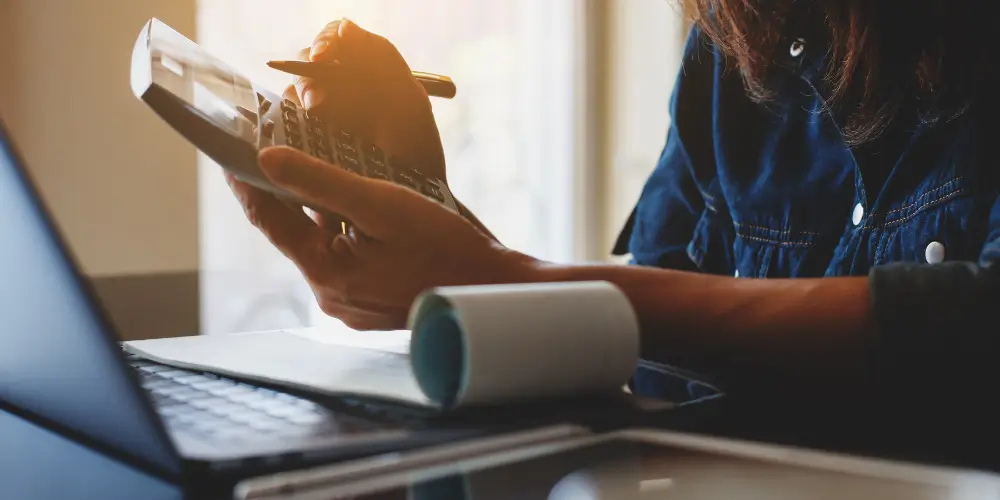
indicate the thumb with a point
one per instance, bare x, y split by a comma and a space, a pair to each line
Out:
324, 186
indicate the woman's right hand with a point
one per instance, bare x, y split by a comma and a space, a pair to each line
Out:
377, 98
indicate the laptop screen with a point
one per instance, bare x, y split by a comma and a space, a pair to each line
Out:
59, 359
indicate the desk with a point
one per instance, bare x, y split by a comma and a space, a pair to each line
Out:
938, 435
37, 464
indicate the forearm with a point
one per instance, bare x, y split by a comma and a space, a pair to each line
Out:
815, 331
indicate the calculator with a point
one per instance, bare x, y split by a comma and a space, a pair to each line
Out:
230, 118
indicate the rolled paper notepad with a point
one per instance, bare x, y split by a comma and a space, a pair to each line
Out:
488, 345
468, 346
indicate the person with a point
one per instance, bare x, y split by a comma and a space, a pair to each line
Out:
821, 224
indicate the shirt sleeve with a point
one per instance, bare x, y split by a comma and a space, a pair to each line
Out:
662, 224
935, 335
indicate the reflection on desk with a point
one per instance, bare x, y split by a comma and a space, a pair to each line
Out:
632, 470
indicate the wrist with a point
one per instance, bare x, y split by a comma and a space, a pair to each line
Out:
541, 271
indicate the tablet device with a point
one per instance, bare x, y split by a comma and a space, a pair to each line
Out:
638, 464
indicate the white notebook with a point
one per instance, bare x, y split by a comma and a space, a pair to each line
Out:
469, 346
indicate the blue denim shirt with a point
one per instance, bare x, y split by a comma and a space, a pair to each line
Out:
773, 191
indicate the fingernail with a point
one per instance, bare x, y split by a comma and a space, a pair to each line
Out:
344, 26
319, 49
308, 97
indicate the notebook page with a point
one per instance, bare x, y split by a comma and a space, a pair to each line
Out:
296, 360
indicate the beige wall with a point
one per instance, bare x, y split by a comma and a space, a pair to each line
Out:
121, 184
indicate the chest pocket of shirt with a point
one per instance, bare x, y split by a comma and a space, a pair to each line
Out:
942, 223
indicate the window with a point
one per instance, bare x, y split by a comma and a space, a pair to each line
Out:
513, 136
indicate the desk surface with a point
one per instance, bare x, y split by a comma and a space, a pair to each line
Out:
36, 463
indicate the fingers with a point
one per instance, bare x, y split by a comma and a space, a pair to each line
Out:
289, 230
359, 47
324, 42
308, 92
372, 66
367, 203
292, 93
361, 319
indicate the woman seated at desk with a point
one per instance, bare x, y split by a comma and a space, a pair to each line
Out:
842, 143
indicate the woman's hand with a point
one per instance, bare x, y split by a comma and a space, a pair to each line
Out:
377, 98
411, 243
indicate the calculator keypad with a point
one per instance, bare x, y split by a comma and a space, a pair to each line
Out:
307, 132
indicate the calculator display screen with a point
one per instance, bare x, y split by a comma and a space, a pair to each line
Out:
210, 86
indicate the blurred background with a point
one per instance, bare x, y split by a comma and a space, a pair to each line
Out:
560, 115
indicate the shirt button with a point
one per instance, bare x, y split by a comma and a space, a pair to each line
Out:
859, 214
934, 253
797, 47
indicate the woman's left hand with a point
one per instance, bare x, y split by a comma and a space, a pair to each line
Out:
410, 242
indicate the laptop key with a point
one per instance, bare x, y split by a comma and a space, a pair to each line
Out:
266, 424
188, 395
306, 419
225, 411
154, 368
154, 384
247, 398
173, 373
208, 385
227, 391
188, 378
176, 410
284, 411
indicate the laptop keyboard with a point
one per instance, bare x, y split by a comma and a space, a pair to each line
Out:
219, 408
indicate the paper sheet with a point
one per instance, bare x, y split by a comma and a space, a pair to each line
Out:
506, 344
337, 364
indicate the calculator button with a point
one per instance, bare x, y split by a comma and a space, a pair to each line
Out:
407, 179
313, 119
433, 191
346, 146
375, 154
350, 163
263, 104
268, 129
378, 172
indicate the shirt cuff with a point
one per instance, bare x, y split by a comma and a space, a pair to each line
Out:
932, 330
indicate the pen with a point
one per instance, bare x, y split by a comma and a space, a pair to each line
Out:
435, 85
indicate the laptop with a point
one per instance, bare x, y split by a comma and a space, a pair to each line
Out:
61, 365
